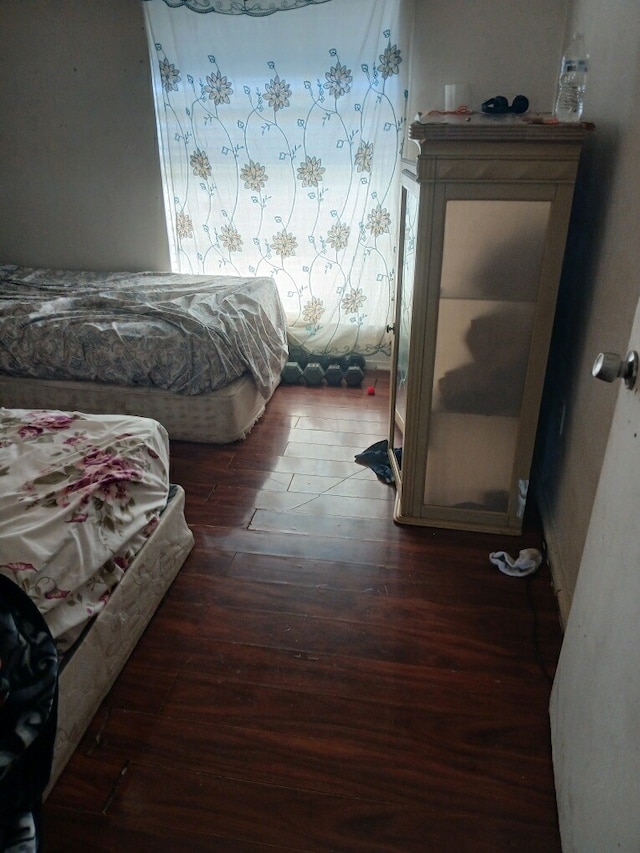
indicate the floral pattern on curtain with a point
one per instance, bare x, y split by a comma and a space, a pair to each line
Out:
281, 141
241, 7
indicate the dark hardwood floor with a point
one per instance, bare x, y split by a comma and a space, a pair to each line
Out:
319, 678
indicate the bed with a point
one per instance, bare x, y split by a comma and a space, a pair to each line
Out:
91, 534
201, 354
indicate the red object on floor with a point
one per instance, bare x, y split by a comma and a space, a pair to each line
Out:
371, 390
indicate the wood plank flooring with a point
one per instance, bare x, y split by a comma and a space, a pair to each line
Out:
319, 678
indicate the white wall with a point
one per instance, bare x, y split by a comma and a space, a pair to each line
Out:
79, 166
595, 702
599, 290
78, 160
499, 47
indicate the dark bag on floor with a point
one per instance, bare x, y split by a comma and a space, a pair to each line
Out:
28, 706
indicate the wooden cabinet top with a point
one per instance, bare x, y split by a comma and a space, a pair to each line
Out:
479, 127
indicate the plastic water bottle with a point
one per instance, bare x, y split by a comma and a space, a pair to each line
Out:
572, 81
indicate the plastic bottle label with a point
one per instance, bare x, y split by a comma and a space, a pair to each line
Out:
571, 65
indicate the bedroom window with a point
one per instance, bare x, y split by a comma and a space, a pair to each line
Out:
280, 141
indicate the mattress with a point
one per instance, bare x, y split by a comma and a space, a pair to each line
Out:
90, 668
219, 417
187, 335
92, 534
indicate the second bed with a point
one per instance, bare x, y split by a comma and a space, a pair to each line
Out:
202, 355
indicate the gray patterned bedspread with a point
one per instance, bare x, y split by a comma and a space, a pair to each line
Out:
185, 334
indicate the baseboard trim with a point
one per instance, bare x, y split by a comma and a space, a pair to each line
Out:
378, 362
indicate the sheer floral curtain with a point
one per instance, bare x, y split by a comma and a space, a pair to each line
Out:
281, 137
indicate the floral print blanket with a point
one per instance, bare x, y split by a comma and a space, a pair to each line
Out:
79, 496
181, 333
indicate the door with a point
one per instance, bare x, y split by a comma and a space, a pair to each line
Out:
595, 702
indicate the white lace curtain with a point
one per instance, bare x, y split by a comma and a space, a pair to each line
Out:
281, 137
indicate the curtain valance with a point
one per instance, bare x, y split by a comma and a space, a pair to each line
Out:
256, 8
